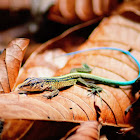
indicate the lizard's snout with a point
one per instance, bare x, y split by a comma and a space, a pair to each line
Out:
21, 87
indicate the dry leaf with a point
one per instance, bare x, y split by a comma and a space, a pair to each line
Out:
10, 62
130, 6
74, 104
4, 85
22, 129
87, 130
70, 12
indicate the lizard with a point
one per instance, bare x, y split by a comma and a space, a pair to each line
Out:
54, 84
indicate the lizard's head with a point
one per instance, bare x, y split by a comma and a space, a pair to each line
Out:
30, 84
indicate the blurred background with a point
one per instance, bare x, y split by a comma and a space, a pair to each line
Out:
41, 20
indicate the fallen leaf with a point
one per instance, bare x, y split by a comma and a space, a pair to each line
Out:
87, 130
78, 11
75, 104
22, 129
10, 62
130, 6
4, 85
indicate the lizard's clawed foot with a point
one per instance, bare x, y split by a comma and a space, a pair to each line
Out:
50, 95
95, 90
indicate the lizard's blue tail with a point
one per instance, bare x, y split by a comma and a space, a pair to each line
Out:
111, 48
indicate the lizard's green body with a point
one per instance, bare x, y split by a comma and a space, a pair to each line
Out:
55, 83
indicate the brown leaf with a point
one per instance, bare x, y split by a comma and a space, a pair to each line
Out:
22, 129
71, 12
88, 130
10, 62
69, 105
12, 132
74, 103
130, 6
4, 84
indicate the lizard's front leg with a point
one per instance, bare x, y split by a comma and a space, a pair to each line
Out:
51, 93
84, 69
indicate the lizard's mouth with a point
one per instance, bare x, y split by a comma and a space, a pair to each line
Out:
25, 87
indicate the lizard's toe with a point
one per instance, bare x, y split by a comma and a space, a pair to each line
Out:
47, 96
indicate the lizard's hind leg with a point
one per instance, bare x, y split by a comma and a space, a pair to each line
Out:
92, 86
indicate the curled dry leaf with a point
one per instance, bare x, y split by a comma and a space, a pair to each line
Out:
10, 62
88, 130
69, 12
4, 85
130, 6
75, 103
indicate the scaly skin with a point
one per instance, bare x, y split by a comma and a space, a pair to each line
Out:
55, 83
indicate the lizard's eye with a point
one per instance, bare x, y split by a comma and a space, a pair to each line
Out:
30, 78
27, 79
